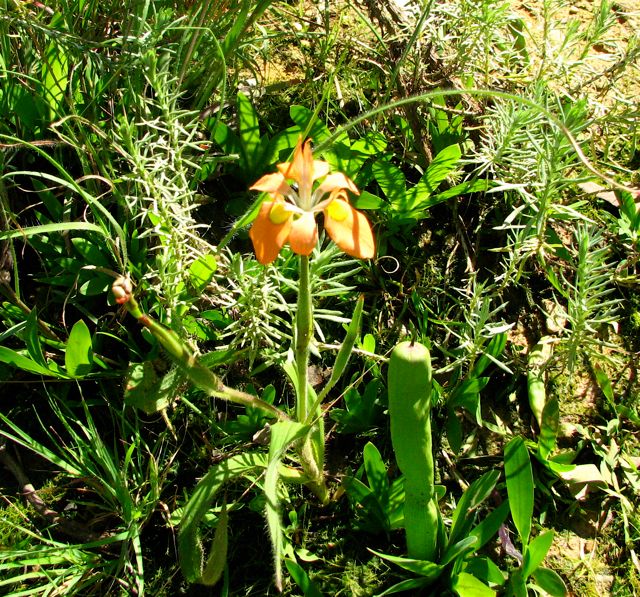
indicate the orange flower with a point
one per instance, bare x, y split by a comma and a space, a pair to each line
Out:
290, 216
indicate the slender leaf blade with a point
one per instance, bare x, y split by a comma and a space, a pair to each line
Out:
11, 357
218, 554
475, 494
32, 339
429, 570
309, 589
283, 433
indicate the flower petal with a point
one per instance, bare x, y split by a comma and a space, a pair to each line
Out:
304, 234
268, 237
336, 181
304, 169
274, 184
349, 229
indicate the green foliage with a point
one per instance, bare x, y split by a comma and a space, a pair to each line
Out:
520, 489
190, 548
381, 502
130, 134
458, 567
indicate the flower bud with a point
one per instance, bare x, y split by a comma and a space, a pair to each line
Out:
122, 290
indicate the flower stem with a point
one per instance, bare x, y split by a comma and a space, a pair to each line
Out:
304, 330
311, 448
185, 358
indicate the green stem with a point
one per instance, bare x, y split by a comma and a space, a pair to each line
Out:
199, 375
311, 449
304, 330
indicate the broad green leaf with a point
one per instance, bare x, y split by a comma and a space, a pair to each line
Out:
517, 584
11, 357
357, 490
494, 349
201, 271
453, 428
467, 585
373, 143
550, 581
282, 145
366, 200
91, 253
519, 476
549, 428
361, 411
342, 158
249, 132
376, 473
443, 164
604, 382
55, 77
304, 117
628, 208
369, 343
535, 552
391, 180
217, 560
473, 496
78, 356
309, 589
375, 518
464, 188
225, 137
429, 570
484, 568
98, 283
467, 396
580, 477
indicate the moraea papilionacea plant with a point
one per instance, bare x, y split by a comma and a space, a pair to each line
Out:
298, 192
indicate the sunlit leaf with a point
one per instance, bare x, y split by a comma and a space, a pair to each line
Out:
517, 468
78, 356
